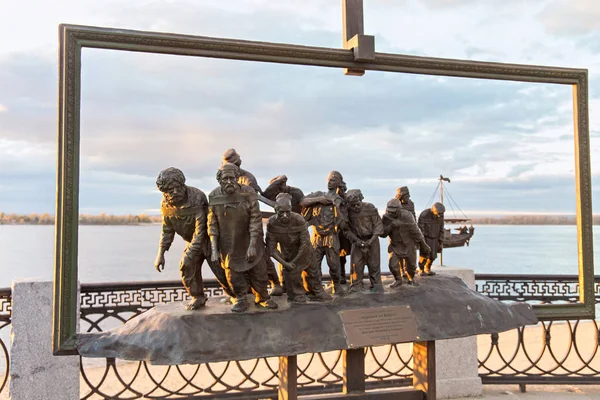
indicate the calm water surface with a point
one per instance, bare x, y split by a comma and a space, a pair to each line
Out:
126, 253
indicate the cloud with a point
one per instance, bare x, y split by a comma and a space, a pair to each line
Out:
141, 112
573, 17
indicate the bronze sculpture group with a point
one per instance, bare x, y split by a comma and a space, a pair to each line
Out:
226, 230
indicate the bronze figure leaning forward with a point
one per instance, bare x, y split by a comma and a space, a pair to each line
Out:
404, 236
184, 211
288, 242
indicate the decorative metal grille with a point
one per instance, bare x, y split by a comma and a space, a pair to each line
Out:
552, 352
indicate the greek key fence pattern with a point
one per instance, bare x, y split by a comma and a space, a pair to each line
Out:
104, 307
552, 352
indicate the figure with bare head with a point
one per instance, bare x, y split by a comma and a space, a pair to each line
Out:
236, 238
184, 211
363, 229
431, 223
288, 242
324, 212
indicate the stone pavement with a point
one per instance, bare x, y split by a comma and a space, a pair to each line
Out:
546, 392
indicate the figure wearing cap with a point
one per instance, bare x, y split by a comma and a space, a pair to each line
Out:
289, 231
184, 211
236, 238
403, 194
431, 223
246, 178
323, 211
363, 229
279, 185
404, 236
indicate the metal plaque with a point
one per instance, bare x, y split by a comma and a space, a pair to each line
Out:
377, 326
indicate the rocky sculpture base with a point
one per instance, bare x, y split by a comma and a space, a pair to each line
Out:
443, 307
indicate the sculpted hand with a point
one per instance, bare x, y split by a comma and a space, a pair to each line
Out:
425, 248
396, 223
159, 263
289, 266
251, 254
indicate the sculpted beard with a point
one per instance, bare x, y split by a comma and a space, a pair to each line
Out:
231, 187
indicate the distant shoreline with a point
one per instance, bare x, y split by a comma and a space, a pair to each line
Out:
143, 219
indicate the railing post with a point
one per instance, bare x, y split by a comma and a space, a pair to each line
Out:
288, 378
424, 368
354, 370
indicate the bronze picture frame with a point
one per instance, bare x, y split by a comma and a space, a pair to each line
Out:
73, 38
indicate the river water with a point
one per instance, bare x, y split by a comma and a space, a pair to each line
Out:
126, 253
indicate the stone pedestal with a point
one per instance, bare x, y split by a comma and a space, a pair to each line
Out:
35, 374
456, 359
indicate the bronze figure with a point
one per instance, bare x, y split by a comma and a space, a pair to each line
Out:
431, 223
184, 211
345, 243
363, 230
404, 236
403, 195
289, 231
236, 237
248, 179
323, 211
279, 185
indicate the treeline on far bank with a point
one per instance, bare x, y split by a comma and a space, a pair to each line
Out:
84, 219
108, 219
530, 220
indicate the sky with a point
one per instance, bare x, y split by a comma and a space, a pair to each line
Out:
507, 146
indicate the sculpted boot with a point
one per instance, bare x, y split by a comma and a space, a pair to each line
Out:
397, 283
241, 305
277, 290
268, 304
322, 296
196, 303
338, 289
427, 271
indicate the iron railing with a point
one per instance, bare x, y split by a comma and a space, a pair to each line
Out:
105, 306
556, 352
5, 313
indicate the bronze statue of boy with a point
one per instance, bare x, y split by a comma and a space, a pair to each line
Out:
184, 211
236, 238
